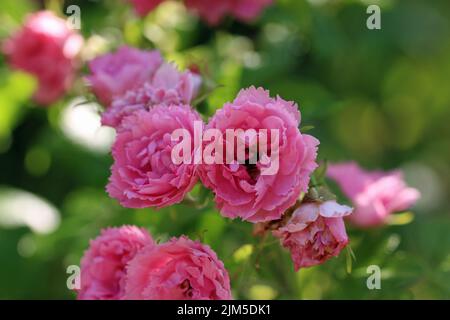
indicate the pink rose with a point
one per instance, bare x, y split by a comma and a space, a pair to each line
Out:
103, 272
46, 48
143, 7
143, 173
214, 11
247, 190
167, 86
180, 269
315, 233
375, 195
113, 74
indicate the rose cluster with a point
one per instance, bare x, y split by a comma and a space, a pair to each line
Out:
157, 104
211, 11
147, 99
125, 263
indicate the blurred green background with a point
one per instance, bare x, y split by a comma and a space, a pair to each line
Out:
381, 97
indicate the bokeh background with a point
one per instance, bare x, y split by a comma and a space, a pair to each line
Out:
381, 97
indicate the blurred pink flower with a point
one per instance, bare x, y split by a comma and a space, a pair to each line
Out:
180, 269
214, 11
103, 266
143, 174
241, 190
315, 233
143, 7
167, 86
46, 48
375, 195
113, 74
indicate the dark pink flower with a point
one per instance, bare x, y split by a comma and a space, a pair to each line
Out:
46, 48
103, 266
180, 269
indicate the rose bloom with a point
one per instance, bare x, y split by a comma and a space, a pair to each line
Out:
375, 195
240, 188
113, 74
46, 48
180, 269
214, 11
143, 7
315, 233
103, 272
144, 174
168, 86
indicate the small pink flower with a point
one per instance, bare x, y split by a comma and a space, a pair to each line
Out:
113, 74
143, 173
167, 86
375, 195
241, 189
315, 233
46, 48
143, 7
180, 269
103, 266
214, 11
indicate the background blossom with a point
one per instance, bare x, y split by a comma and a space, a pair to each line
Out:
113, 74
375, 195
143, 7
46, 48
168, 86
213, 11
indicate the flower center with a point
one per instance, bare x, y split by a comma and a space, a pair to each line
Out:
185, 286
